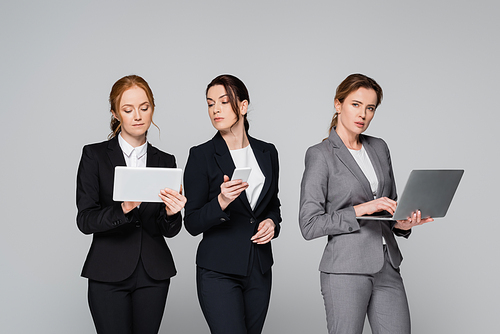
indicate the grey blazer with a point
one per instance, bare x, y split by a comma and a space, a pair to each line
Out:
331, 185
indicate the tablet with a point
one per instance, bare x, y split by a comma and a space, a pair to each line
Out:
143, 184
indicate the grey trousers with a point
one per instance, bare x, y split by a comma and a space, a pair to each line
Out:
350, 297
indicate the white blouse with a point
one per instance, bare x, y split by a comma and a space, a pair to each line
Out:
366, 166
244, 157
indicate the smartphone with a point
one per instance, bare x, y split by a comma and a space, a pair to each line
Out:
241, 174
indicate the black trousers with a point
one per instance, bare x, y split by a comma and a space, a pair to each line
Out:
135, 305
234, 304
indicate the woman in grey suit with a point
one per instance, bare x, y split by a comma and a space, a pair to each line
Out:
348, 175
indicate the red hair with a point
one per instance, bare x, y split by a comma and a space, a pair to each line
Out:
115, 96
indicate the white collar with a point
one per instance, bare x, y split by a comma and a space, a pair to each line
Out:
127, 148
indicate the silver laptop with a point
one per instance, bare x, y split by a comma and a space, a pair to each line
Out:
429, 191
143, 184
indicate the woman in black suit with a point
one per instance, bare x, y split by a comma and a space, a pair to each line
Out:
238, 219
129, 265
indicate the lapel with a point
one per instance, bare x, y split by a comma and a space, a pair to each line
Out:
263, 158
343, 154
115, 153
152, 157
222, 155
226, 164
374, 158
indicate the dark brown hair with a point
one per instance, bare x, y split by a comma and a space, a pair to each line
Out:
236, 92
351, 84
115, 96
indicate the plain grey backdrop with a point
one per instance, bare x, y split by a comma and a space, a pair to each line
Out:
437, 62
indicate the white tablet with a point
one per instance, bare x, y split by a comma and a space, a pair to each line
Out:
143, 184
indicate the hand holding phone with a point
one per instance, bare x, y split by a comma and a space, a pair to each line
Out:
241, 174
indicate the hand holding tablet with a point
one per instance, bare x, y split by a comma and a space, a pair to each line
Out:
143, 184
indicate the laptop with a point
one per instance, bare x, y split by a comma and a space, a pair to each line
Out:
143, 184
429, 191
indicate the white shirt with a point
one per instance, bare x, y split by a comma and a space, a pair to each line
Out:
134, 156
244, 157
366, 166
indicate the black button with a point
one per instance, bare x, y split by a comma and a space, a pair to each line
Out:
350, 229
137, 223
252, 220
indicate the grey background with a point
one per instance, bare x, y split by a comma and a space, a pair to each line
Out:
437, 62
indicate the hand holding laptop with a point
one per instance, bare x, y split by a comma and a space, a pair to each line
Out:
387, 204
414, 220
427, 193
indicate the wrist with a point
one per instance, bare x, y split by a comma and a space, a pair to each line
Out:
125, 208
358, 210
171, 216
222, 203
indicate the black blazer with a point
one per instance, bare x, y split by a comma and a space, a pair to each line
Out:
226, 246
118, 239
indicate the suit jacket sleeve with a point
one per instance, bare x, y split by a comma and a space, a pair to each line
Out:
202, 210
170, 226
92, 217
314, 219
